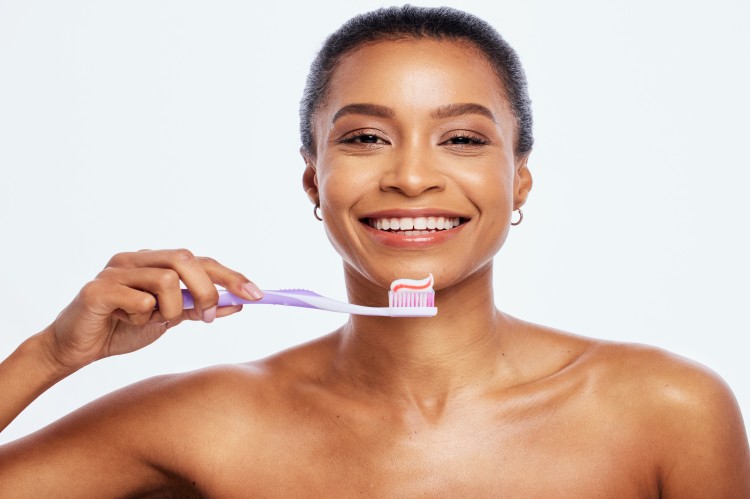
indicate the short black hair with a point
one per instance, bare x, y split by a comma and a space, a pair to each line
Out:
397, 23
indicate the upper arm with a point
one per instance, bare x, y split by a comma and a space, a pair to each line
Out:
703, 439
110, 447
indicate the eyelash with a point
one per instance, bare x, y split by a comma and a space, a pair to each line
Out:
473, 139
353, 137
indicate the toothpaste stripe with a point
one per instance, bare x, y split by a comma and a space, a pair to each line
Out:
413, 285
399, 287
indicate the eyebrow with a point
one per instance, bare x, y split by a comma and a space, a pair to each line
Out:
453, 110
366, 109
447, 111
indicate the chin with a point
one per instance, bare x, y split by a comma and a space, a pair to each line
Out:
382, 273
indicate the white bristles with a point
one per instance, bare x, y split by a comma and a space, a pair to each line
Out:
411, 299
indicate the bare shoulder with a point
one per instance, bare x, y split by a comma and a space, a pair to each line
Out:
243, 394
684, 411
662, 381
170, 432
137, 440
650, 377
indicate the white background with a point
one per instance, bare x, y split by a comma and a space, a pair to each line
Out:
149, 124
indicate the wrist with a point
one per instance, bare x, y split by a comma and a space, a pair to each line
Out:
43, 347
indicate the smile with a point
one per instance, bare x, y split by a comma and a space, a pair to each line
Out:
414, 226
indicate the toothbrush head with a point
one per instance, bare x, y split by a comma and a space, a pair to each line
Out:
411, 294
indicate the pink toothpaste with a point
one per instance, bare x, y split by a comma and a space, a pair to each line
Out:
412, 293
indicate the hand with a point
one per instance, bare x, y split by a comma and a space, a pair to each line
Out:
116, 312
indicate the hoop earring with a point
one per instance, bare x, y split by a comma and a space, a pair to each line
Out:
520, 217
316, 208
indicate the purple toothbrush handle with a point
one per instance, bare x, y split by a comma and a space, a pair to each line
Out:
270, 297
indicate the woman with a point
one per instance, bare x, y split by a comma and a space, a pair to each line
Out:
409, 114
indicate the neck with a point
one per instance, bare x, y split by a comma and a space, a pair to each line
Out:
426, 360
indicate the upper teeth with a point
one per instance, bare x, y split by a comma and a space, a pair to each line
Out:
418, 223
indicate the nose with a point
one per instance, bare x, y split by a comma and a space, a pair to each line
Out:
413, 172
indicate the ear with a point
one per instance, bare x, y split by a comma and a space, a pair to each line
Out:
522, 182
310, 178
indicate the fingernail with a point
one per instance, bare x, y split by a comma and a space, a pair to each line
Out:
252, 290
209, 314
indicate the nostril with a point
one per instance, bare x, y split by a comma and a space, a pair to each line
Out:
412, 180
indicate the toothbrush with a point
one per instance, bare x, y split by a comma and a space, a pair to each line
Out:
410, 298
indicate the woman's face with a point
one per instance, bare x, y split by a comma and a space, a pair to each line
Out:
416, 132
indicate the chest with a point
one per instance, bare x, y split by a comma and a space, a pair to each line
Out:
470, 455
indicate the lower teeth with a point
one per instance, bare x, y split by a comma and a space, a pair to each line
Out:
411, 232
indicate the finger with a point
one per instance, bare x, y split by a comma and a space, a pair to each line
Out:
193, 315
162, 283
104, 297
140, 319
190, 315
188, 268
227, 311
231, 280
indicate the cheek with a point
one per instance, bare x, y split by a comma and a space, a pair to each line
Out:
341, 184
488, 186
490, 189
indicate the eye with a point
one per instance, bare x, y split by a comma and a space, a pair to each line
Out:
464, 138
364, 137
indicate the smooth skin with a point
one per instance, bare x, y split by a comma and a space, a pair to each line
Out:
470, 403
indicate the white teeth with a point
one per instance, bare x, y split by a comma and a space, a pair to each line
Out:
415, 225
406, 223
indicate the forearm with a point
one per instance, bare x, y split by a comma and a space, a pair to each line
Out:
27, 373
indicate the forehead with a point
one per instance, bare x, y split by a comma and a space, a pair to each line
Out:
411, 75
